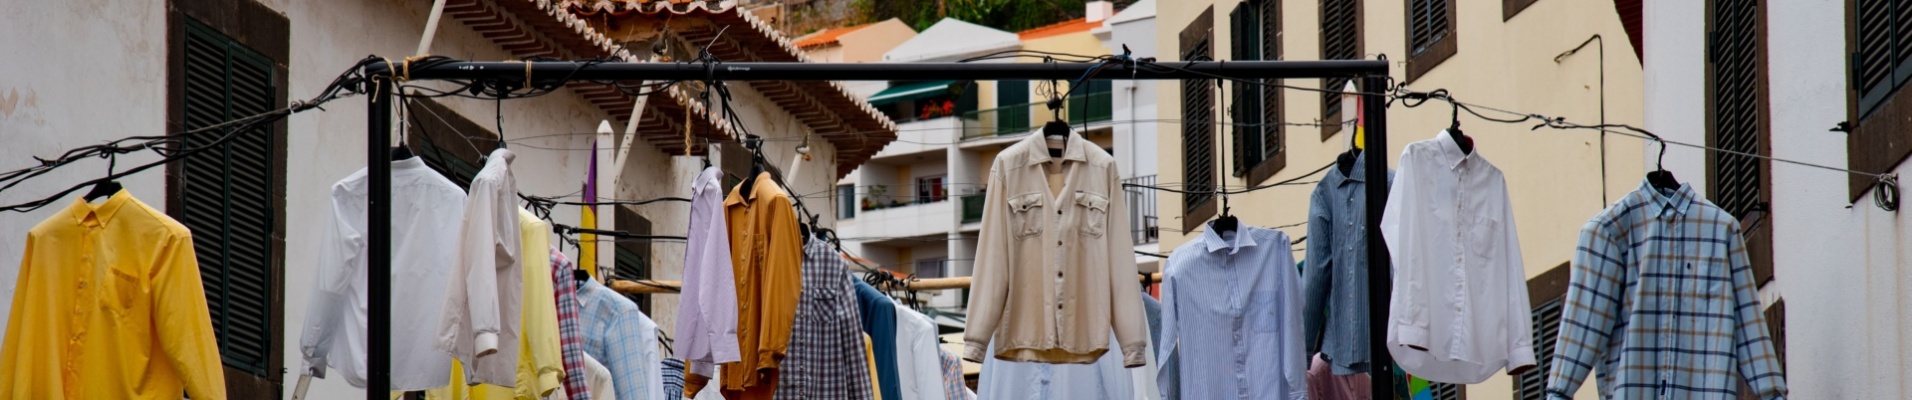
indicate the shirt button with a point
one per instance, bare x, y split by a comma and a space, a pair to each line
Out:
1058, 306
1058, 242
1058, 274
1058, 212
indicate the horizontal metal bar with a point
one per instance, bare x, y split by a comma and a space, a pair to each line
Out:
754, 71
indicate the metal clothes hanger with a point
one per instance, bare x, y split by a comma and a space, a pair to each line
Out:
1227, 222
109, 187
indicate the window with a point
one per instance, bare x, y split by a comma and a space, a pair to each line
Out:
930, 189
1340, 40
1198, 131
633, 257
1430, 35
932, 268
1547, 293
1880, 40
1510, 8
448, 142
846, 201
1737, 120
1256, 109
1012, 105
1776, 325
1093, 103
232, 196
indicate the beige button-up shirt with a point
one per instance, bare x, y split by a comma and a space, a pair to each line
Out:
1053, 273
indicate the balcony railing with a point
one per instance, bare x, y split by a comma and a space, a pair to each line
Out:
973, 208
1143, 223
1091, 107
1006, 120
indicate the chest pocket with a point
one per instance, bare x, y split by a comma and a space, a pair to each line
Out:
1025, 214
1094, 213
1483, 238
121, 291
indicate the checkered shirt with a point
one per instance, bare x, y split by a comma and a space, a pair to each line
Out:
1662, 303
614, 333
673, 379
825, 359
953, 386
569, 338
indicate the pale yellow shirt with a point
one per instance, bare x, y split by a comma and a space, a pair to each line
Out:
110, 306
869, 354
540, 363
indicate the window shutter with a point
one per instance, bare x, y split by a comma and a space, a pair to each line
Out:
1198, 125
1532, 385
1270, 39
1737, 107
1447, 391
633, 257
227, 193
1012, 99
1427, 24
1245, 100
1340, 40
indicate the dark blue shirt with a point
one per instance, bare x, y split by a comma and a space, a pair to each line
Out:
879, 321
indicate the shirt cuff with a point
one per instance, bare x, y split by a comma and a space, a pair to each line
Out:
485, 344
725, 351
974, 352
1416, 337
1135, 355
550, 382
1522, 357
314, 367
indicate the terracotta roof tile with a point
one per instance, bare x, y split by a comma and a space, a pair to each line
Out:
828, 36
1059, 28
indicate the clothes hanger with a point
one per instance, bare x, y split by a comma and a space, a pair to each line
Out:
1055, 133
1466, 143
403, 150
108, 187
1660, 178
1227, 223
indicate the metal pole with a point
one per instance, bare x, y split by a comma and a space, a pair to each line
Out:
1380, 283
378, 166
551, 71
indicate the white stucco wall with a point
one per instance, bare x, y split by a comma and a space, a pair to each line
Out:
1841, 270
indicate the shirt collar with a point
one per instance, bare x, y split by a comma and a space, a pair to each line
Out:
1451, 153
409, 164
738, 197
1215, 242
1675, 204
1358, 173
585, 291
104, 211
1038, 151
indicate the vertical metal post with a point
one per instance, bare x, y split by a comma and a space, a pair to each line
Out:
1380, 280
378, 166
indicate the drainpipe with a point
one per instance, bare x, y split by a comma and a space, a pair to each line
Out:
1602, 48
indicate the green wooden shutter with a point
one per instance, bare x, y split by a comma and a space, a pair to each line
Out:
227, 193
632, 257
1427, 24
1246, 109
1012, 99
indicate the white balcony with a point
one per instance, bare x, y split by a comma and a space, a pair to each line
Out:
929, 137
930, 220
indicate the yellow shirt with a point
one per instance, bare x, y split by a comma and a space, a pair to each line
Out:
109, 306
869, 355
540, 363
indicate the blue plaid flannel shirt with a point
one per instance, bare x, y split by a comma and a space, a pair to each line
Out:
1662, 303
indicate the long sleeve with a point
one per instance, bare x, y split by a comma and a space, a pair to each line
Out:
782, 283
1167, 378
989, 282
472, 308
1407, 315
916, 358
1130, 323
1520, 331
540, 325
182, 321
1294, 354
341, 254
653, 368
13, 363
602, 385
1592, 301
707, 317
1758, 363
1318, 270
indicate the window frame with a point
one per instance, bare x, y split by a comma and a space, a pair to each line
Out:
1759, 239
1198, 208
1441, 49
1880, 137
846, 201
1510, 8
1549, 286
1331, 122
629, 220
268, 34
930, 188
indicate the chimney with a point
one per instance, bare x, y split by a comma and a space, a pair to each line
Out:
1100, 10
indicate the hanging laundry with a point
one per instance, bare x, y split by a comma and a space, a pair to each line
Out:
674, 377
878, 315
1104, 379
1230, 308
917, 366
1324, 384
480, 323
540, 355
869, 356
623, 338
707, 307
766, 256
1667, 272
427, 211
1335, 312
954, 387
1065, 257
598, 379
564, 286
110, 306
825, 344
1459, 310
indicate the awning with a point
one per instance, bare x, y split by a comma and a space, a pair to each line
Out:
910, 91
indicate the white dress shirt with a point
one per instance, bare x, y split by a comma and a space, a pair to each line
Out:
1231, 318
480, 323
1459, 310
1028, 380
426, 212
598, 380
707, 310
918, 364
